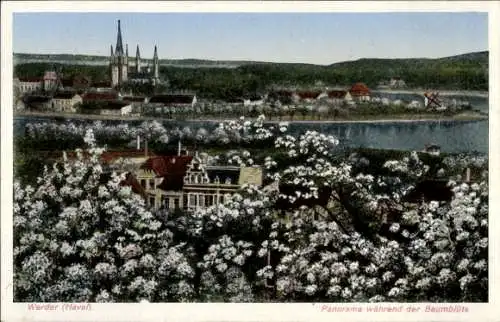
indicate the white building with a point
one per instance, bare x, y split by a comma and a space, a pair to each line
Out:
116, 108
254, 101
28, 85
66, 102
415, 104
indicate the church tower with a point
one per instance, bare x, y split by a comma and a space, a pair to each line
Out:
119, 61
137, 60
156, 74
113, 69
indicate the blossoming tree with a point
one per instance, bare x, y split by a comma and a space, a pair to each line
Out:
80, 235
323, 229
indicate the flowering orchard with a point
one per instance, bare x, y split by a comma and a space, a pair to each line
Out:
330, 233
70, 135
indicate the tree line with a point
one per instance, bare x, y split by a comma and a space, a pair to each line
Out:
252, 79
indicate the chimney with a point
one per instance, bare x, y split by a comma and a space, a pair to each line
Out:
179, 148
138, 142
467, 174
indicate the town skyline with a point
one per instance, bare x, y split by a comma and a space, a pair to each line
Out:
418, 35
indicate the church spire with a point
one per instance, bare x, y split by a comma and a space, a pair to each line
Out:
155, 64
137, 60
112, 51
119, 43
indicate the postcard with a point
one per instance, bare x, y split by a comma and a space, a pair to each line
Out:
249, 161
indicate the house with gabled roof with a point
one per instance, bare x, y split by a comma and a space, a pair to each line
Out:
174, 100
28, 85
307, 96
66, 101
336, 97
360, 92
162, 177
188, 182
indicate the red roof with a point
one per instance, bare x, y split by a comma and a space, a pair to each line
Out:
163, 165
337, 94
359, 89
171, 168
93, 96
134, 98
30, 79
308, 94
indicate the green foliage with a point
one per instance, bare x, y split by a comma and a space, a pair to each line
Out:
466, 72
96, 73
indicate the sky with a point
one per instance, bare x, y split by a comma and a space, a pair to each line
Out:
317, 38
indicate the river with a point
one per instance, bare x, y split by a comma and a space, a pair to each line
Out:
452, 136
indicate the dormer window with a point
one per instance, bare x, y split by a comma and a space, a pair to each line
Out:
228, 181
217, 181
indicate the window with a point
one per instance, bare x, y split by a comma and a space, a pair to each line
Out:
143, 183
152, 201
221, 199
167, 202
176, 203
209, 200
185, 201
228, 181
201, 200
192, 200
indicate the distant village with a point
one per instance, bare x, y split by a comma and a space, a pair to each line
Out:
53, 92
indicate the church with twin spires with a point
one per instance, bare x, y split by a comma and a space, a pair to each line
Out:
121, 71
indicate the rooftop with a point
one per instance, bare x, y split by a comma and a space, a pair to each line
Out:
308, 94
64, 95
359, 89
173, 99
96, 96
337, 94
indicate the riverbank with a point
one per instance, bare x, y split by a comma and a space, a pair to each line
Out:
481, 94
398, 118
